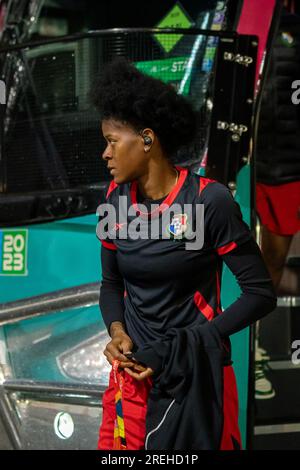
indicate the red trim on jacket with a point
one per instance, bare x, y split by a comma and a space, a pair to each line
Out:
203, 306
109, 245
111, 187
166, 202
226, 248
204, 182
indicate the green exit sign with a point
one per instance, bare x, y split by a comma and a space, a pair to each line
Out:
176, 18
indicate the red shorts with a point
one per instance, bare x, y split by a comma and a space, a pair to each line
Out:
278, 207
135, 396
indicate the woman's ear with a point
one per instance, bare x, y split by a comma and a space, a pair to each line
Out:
148, 138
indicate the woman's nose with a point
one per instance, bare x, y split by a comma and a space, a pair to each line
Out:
106, 154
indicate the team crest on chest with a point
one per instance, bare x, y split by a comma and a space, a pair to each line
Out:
178, 225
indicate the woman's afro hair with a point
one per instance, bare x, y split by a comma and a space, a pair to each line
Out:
125, 94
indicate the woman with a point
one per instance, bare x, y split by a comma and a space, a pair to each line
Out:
160, 297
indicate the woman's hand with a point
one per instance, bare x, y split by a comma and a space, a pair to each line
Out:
139, 372
120, 343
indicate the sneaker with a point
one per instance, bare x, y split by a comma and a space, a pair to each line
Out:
263, 388
261, 354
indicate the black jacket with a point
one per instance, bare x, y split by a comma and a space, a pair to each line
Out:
278, 138
185, 405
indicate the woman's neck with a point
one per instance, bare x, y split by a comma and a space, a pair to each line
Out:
159, 181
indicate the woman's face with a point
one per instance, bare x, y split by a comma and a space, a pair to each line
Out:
125, 151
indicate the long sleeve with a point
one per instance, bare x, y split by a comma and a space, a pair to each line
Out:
231, 238
111, 300
258, 297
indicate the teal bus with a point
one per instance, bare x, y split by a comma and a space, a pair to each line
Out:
52, 370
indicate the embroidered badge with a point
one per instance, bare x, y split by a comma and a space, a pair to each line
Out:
178, 225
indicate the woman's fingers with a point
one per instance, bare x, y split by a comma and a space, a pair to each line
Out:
112, 355
113, 351
139, 367
126, 364
139, 375
137, 371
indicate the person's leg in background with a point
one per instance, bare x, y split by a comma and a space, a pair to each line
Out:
277, 208
274, 249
